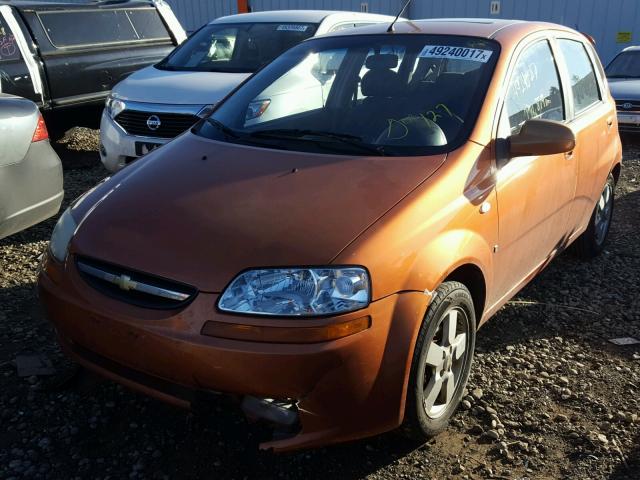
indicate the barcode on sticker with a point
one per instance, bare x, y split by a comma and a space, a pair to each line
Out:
293, 28
459, 53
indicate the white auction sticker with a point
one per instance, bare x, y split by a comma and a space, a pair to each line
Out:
459, 53
293, 28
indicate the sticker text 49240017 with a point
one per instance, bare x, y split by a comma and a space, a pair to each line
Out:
457, 53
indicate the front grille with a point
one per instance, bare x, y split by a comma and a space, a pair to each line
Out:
169, 125
136, 288
628, 105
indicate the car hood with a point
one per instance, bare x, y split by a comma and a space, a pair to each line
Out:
152, 85
201, 221
625, 88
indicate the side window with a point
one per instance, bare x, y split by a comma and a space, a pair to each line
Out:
9, 50
584, 86
73, 28
534, 89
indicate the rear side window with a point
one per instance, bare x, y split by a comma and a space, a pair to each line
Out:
584, 86
9, 50
93, 27
534, 89
148, 24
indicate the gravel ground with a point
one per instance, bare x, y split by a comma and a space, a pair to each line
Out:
549, 396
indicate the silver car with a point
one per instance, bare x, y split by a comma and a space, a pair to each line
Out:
157, 103
623, 74
30, 171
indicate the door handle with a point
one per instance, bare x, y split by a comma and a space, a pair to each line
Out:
610, 122
569, 155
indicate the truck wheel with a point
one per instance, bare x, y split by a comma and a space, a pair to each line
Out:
591, 242
441, 361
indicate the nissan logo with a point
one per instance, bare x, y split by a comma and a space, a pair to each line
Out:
153, 122
626, 106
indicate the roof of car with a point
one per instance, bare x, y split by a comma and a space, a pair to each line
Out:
632, 48
475, 27
303, 16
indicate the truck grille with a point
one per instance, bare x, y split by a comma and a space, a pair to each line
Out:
141, 289
160, 125
628, 105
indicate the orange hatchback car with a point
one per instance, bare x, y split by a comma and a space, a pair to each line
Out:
324, 246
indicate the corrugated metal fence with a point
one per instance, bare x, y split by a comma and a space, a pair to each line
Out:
195, 13
608, 21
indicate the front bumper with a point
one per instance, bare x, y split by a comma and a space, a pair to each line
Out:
118, 148
628, 122
345, 389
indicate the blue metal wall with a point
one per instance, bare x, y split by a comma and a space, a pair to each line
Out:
602, 19
375, 6
195, 13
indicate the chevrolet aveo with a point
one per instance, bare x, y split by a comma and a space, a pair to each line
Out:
329, 266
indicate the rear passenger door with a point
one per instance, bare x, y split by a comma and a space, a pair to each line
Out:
535, 193
592, 118
14, 73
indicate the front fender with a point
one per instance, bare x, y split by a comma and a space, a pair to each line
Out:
446, 253
449, 221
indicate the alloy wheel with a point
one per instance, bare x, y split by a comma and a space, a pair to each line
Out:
445, 360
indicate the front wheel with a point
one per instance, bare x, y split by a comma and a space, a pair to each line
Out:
591, 242
441, 361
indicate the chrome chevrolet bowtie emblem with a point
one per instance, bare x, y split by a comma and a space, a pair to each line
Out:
125, 282
153, 122
627, 105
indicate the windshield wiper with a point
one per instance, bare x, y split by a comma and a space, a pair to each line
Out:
300, 134
240, 137
222, 127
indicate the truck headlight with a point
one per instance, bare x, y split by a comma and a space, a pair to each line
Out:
62, 235
114, 106
297, 291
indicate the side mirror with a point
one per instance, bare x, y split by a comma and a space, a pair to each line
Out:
541, 137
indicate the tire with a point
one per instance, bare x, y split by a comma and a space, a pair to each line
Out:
591, 243
427, 415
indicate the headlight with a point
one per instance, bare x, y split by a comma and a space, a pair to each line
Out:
62, 234
297, 291
114, 106
257, 108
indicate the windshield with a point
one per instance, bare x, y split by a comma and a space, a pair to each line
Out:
236, 47
364, 94
625, 65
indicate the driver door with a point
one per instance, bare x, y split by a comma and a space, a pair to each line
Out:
534, 193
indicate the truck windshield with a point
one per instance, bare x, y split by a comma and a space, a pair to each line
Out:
362, 95
236, 47
625, 65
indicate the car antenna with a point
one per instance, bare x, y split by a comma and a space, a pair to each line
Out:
390, 29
